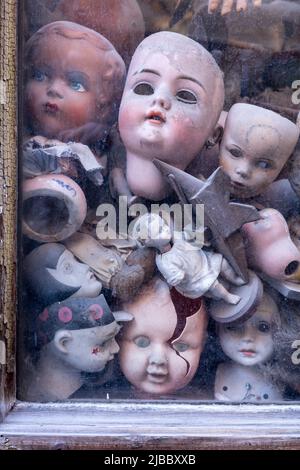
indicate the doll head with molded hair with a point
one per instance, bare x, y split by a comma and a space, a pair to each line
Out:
74, 78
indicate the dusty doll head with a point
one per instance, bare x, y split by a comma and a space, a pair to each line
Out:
169, 109
252, 342
52, 274
255, 147
161, 348
74, 77
82, 331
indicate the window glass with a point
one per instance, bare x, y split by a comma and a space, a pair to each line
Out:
160, 200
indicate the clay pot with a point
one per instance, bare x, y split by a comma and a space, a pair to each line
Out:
54, 207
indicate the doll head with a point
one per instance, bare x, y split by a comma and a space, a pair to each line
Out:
252, 342
170, 107
74, 77
151, 230
255, 147
81, 331
52, 274
161, 348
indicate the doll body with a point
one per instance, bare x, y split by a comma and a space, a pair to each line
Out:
169, 108
191, 270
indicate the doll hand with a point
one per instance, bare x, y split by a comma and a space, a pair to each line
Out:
89, 133
227, 5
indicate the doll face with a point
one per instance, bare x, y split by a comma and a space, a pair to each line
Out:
255, 146
166, 106
251, 342
90, 349
148, 359
71, 272
153, 231
250, 160
63, 86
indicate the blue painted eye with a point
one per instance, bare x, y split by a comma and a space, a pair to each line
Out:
39, 76
142, 341
77, 86
180, 347
264, 327
263, 164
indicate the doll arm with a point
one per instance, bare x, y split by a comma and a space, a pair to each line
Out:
227, 5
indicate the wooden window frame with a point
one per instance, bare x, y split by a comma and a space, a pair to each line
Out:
103, 425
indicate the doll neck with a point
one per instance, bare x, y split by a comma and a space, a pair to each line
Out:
144, 179
55, 377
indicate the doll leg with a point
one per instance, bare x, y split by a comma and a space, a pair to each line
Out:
218, 291
228, 273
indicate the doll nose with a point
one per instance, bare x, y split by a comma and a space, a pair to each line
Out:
162, 98
55, 89
243, 170
249, 335
157, 358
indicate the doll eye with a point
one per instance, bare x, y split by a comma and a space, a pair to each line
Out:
142, 341
263, 164
180, 347
38, 75
76, 86
143, 89
263, 327
236, 152
186, 96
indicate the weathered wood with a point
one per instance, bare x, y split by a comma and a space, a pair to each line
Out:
8, 197
153, 426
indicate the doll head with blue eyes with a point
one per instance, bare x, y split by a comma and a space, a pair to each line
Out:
255, 147
161, 348
252, 342
74, 78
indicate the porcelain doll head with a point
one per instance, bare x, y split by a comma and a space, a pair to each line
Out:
252, 342
74, 77
161, 348
151, 230
255, 146
80, 331
169, 109
52, 274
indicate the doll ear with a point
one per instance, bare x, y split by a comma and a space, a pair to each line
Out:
216, 136
62, 339
121, 315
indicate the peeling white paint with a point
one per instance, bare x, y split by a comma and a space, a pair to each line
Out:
2, 353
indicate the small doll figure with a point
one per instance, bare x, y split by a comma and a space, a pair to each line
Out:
255, 147
192, 271
160, 349
248, 345
52, 274
73, 336
169, 109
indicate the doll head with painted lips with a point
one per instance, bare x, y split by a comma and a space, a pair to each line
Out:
169, 109
74, 78
252, 342
160, 349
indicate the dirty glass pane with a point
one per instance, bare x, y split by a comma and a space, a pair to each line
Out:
160, 200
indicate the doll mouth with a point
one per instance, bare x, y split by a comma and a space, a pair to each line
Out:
51, 108
236, 184
157, 378
248, 352
156, 117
